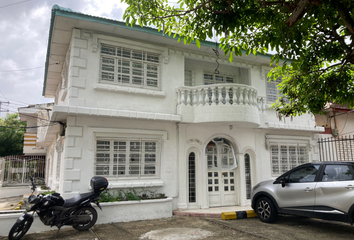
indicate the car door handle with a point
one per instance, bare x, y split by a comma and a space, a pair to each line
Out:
308, 189
349, 187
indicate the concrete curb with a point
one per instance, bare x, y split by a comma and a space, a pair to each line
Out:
238, 214
195, 214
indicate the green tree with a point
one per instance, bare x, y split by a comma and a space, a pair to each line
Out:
11, 135
314, 39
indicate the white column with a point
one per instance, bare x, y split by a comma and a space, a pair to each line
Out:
242, 179
182, 169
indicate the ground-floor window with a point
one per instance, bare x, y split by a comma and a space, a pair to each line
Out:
192, 178
126, 157
287, 156
248, 176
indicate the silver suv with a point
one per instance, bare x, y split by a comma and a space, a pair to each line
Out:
322, 190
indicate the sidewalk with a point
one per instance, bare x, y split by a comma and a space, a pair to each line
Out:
9, 203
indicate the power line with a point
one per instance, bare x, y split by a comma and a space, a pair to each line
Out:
14, 4
17, 101
30, 116
18, 70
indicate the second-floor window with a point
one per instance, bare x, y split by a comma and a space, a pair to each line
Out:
125, 66
212, 78
273, 92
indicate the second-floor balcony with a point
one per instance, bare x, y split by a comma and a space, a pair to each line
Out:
229, 103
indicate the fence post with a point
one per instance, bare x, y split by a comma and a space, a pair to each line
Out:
2, 171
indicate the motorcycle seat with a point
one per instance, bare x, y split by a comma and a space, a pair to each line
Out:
77, 199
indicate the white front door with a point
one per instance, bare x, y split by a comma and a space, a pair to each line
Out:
221, 188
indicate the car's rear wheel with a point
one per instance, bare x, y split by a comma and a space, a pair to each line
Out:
266, 210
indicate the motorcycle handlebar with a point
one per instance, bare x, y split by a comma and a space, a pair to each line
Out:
33, 185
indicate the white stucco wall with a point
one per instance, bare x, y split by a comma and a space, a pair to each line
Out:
89, 107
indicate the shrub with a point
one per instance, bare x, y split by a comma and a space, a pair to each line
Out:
129, 195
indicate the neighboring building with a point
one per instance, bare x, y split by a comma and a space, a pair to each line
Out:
35, 115
147, 112
336, 143
15, 170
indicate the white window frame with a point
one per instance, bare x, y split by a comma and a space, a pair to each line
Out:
273, 92
189, 79
132, 181
288, 156
288, 142
126, 157
217, 78
114, 56
220, 156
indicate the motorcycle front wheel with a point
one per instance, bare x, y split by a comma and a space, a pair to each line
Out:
86, 211
19, 229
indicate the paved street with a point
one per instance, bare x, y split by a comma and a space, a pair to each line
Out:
183, 228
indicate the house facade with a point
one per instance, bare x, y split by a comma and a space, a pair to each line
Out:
145, 111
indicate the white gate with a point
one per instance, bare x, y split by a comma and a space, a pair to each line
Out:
16, 170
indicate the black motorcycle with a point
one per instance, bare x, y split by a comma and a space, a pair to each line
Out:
53, 210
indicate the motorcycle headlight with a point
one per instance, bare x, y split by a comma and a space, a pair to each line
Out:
32, 199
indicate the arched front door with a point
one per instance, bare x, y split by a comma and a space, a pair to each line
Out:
221, 160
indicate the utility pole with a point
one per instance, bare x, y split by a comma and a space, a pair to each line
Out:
0, 107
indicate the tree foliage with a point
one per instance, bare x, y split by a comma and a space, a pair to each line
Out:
312, 38
11, 135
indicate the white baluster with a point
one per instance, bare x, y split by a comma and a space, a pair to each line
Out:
206, 96
234, 95
188, 97
194, 98
213, 97
200, 97
255, 97
220, 99
246, 96
183, 96
178, 97
250, 95
241, 95
227, 97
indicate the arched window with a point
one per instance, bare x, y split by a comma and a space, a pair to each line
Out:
192, 178
220, 154
248, 175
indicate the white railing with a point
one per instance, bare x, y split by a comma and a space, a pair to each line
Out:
220, 94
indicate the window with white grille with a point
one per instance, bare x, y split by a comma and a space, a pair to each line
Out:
188, 78
131, 67
212, 78
273, 93
287, 156
272, 90
126, 157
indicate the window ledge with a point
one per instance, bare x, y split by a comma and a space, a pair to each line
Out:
141, 91
135, 184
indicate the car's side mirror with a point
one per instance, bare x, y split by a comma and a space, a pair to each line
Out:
282, 181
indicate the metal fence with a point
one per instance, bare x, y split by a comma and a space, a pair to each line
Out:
16, 170
336, 149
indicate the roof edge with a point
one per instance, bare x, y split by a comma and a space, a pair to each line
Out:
67, 12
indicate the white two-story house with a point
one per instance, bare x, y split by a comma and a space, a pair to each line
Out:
145, 111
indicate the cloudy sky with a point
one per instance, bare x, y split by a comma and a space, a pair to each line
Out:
24, 28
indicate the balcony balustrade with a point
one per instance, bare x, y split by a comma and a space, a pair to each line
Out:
220, 103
